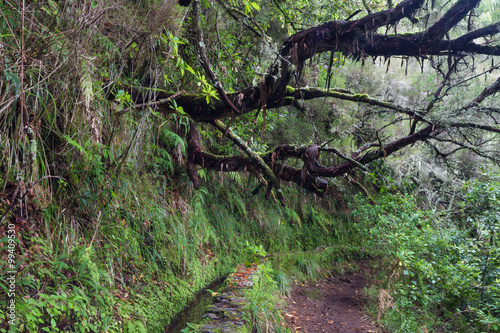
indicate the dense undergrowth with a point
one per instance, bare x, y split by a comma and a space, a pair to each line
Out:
131, 261
438, 270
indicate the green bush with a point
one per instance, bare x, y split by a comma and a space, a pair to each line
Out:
442, 273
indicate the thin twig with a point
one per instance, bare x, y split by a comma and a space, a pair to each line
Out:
160, 101
337, 152
204, 59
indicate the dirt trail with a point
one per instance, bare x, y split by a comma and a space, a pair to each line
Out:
333, 304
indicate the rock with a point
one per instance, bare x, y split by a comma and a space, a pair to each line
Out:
237, 300
216, 310
211, 316
208, 329
247, 283
226, 312
221, 299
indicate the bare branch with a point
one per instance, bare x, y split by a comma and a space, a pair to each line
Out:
488, 91
478, 126
491, 29
451, 18
462, 146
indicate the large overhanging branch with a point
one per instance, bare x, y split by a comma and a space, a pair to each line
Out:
196, 107
343, 35
358, 38
196, 156
310, 176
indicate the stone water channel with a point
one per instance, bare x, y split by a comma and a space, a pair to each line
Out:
222, 311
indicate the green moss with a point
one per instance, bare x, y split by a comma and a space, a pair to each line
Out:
290, 90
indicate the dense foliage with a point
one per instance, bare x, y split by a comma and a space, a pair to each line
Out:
441, 270
147, 148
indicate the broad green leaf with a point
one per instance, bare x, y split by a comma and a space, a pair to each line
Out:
255, 5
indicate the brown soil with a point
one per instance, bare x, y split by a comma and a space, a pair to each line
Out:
334, 304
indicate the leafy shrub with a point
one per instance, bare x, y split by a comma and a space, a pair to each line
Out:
441, 273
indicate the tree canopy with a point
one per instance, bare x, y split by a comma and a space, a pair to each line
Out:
453, 44
228, 66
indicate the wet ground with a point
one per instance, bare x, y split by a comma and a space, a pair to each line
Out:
333, 304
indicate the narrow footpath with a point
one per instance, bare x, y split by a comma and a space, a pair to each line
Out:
333, 304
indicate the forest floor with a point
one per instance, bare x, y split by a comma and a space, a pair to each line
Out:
332, 304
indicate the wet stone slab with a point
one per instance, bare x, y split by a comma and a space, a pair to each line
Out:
226, 313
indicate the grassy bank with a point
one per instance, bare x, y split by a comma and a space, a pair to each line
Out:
129, 256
